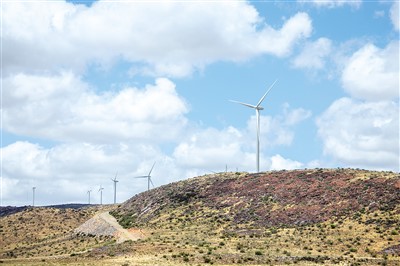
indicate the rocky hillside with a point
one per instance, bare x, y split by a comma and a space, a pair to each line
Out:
278, 198
303, 217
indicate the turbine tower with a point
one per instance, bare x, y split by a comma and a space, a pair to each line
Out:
115, 187
258, 108
33, 196
89, 194
148, 178
101, 195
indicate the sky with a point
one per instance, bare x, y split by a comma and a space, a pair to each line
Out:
95, 89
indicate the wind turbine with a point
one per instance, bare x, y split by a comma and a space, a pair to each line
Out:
33, 196
89, 194
258, 108
148, 178
101, 194
115, 187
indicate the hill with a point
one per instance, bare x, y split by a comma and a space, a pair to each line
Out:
303, 217
45, 232
284, 198
8, 210
321, 215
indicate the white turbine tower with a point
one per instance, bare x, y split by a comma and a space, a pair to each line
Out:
33, 196
258, 108
148, 178
88, 192
101, 194
115, 187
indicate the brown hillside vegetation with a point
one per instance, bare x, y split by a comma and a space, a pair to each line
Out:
302, 217
283, 198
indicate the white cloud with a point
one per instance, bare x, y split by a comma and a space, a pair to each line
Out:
277, 130
294, 116
314, 54
164, 38
212, 149
281, 42
372, 73
65, 172
361, 134
279, 163
64, 108
394, 14
334, 3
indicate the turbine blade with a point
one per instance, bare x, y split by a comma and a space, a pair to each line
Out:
245, 104
143, 176
151, 182
262, 98
152, 168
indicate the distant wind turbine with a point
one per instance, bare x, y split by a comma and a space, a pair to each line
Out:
148, 178
258, 108
33, 196
88, 192
101, 195
115, 187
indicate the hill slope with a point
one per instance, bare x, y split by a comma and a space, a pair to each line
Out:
282, 216
283, 198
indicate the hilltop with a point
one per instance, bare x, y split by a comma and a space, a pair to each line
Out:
281, 198
307, 217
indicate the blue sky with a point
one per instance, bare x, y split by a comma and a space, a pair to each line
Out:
92, 88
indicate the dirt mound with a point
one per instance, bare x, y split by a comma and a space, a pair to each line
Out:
103, 224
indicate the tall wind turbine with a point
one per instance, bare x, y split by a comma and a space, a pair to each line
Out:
148, 178
115, 187
258, 108
101, 195
89, 194
33, 196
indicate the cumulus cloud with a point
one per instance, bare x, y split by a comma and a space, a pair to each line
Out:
372, 73
188, 37
277, 130
65, 172
236, 147
212, 149
361, 134
64, 108
280, 163
314, 54
394, 15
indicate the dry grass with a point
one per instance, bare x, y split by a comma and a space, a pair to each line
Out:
45, 232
